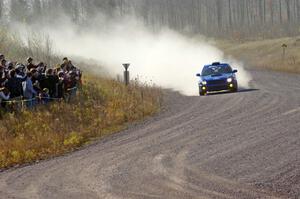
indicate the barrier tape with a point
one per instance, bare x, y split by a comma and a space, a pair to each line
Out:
36, 98
71, 89
30, 100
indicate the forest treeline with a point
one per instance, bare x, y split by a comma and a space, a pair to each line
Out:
217, 18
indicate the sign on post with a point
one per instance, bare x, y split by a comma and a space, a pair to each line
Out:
284, 46
126, 74
126, 66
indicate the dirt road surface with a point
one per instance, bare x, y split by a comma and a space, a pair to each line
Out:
242, 145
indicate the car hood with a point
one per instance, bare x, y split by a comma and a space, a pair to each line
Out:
218, 77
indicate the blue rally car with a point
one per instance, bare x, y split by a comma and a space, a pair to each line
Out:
217, 77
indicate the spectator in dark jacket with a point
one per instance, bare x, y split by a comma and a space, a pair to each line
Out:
14, 85
49, 82
70, 66
30, 64
41, 67
36, 79
65, 64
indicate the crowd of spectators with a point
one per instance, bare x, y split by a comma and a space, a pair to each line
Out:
33, 84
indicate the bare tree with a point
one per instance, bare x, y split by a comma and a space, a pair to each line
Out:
219, 18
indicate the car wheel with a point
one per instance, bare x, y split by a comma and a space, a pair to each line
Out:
202, 93
234, 90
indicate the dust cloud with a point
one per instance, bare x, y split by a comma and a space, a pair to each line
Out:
165, 58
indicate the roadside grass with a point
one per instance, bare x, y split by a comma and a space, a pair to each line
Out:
266, 54
104, 106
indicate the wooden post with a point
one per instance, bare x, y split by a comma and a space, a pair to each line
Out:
284, 46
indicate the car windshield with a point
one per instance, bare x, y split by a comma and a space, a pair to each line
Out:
216, 70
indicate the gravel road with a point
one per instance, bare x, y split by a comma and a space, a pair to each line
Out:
242, 145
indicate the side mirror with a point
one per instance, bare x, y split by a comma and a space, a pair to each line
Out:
234, 71
198, 75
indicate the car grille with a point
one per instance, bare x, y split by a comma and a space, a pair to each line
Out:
217, 88
216, 82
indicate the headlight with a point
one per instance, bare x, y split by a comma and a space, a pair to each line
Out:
229, 80
204, 83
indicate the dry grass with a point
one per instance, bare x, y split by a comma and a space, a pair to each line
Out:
104, 106
266, 54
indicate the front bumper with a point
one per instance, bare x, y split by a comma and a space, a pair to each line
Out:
218, 87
